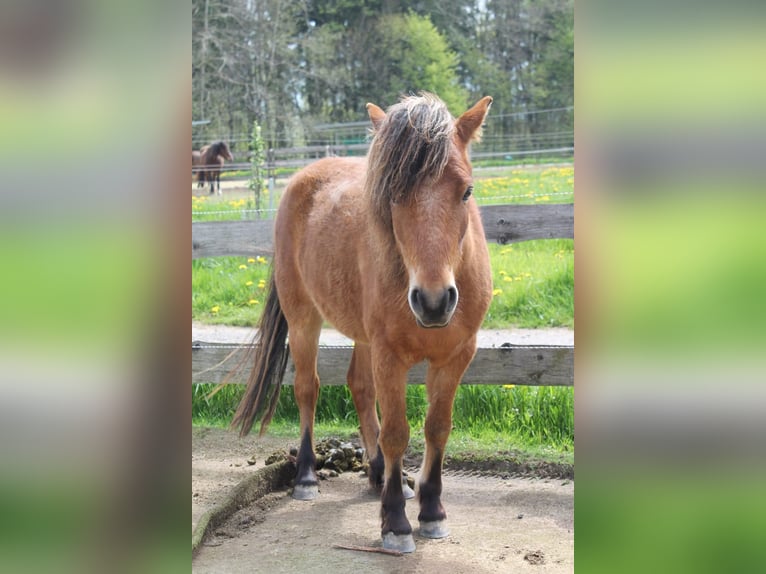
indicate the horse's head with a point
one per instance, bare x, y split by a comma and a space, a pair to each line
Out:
222, 149
419, 178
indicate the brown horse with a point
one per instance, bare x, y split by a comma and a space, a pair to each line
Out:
390, 249
197, 168
211, 159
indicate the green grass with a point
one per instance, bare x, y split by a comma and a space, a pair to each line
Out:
528, 185
539, 419
533, 280
229, 290
533, 286
554, 184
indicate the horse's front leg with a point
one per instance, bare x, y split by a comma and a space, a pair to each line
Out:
390, 378
442, 381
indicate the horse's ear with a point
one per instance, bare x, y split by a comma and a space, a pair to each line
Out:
469, 124
376, 115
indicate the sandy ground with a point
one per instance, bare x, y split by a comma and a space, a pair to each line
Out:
497, 523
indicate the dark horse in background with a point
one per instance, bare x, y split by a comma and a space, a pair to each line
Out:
207, 163
390, 249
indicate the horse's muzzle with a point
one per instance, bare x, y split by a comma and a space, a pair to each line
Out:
433, 309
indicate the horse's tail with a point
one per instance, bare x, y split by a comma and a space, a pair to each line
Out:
270, 353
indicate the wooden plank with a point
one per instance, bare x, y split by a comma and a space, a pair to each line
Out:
513, 223
502, 224
507, 365
216, 238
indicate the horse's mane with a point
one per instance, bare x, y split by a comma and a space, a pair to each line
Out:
218, 147
412, 144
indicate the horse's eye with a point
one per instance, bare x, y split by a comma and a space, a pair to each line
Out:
468, 193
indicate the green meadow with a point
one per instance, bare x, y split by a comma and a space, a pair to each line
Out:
533, 287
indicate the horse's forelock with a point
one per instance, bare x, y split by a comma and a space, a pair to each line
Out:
411, 145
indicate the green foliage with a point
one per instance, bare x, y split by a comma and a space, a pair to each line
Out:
257, 158
421, 60
293, 65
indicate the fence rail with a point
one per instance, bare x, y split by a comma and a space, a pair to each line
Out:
212, 362
507, 365
502, 224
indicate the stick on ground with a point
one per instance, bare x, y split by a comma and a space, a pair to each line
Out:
369, 549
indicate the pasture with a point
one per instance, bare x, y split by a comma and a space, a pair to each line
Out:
533, 281
533, 288
494, 426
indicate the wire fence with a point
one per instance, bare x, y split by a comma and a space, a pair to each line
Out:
526, 128
296, 157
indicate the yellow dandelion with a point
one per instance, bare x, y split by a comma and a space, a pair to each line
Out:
243, 266
261, 284
262, 260
508, 386
248, 283
501, 272
215, 309
253, 302
508, 279
496, 292
250, 260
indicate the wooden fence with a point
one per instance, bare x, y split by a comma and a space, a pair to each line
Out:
212, 361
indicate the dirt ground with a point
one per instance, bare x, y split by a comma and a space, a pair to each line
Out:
498, 522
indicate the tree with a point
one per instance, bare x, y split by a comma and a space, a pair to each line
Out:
291, 64
419, 59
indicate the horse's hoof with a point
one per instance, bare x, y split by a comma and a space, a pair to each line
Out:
305, 491
434, 529
400, 542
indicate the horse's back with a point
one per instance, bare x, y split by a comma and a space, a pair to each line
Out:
320, 239
321, 186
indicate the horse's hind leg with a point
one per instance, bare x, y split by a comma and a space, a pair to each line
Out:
304, 343
363, 393
441, 384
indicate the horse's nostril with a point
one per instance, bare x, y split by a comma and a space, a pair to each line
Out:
451, 297
415, 299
